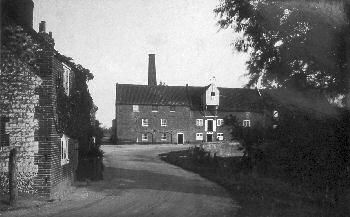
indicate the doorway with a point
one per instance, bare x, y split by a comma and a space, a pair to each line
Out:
180, 138
209, 137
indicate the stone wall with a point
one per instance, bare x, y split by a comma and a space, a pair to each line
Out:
18, 99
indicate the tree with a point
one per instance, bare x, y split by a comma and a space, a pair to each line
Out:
302, 44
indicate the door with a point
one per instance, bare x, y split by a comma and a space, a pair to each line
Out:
210, 125
209, 137
180, 138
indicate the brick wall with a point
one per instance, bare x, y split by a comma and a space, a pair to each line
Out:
61, 175
129, 124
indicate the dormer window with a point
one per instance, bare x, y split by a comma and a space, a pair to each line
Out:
211, 96
66, 79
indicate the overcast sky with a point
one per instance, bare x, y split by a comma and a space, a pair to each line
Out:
113, 38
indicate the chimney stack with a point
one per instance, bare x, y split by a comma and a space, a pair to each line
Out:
42, 27
152, 79
20, 11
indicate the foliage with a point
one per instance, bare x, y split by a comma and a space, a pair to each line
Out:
291, 43
16, 42
18, 75
302, 45
302, 150
76, 111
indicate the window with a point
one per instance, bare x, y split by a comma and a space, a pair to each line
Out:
199, 136
135, 108
212, 94
199, 122
145, 122
66, 79
4, 138
163, 122
64, 150
163, 137
144, 137
219, 122
172, 108
154, 108
220, 136
246, 123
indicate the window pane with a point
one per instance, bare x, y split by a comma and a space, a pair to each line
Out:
135, 108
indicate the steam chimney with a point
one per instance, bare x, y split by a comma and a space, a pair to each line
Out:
152, 79
20, 11
42, 27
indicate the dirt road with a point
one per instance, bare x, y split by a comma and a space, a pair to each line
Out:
137, 183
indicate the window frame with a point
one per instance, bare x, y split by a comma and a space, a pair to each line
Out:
163, 122
246, 125
144, 137
64, 147
163, 137
66, 79
199, 136
135, 108
219, 122
199, 122
145, 122
220, 136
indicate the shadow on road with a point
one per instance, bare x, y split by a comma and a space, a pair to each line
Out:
117, 179
90, 168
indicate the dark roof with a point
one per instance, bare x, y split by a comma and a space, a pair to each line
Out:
231, 99
151, 95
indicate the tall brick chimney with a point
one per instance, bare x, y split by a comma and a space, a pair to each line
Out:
42, 27
20, 11
152, 79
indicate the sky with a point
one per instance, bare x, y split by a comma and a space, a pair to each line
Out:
113, 38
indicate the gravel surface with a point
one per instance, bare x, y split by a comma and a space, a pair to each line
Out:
137, 183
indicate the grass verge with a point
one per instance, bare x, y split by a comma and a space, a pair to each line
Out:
258, 196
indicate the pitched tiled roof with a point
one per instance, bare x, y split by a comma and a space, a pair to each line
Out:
231, 99
151, 95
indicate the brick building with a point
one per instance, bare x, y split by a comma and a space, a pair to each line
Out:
181, 114
47, 158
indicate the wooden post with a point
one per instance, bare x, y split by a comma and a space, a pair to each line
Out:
13, 177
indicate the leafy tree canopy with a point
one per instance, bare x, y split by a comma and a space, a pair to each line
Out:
294, 43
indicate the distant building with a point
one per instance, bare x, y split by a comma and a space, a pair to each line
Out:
47, 158
181, 114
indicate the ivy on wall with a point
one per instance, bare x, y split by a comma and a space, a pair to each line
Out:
76, 112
